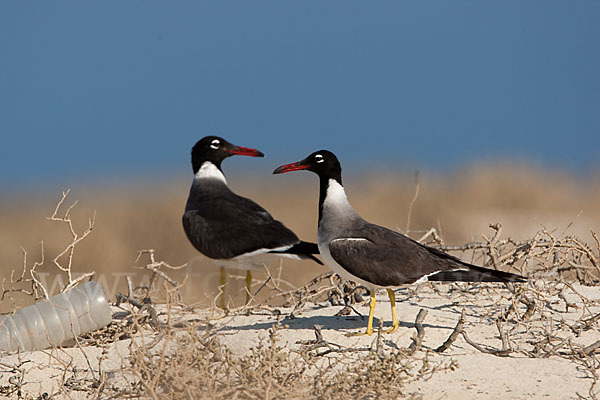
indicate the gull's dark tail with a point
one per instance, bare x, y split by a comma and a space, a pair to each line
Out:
303, 250
475, 274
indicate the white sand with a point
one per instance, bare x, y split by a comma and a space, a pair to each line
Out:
479, 375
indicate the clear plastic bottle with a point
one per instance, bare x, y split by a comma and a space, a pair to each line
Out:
49, 323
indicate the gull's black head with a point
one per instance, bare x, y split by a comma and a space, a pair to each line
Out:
323, 163
215, 149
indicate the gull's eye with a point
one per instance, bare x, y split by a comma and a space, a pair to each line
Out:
215, 144
319, 158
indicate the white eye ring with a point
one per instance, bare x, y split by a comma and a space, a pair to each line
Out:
319, 158
215, 144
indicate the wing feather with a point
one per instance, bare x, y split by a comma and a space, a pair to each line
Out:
380, 264
388, 258
239, 226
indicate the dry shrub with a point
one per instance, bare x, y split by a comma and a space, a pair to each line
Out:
29, 285
192, 365
375, 377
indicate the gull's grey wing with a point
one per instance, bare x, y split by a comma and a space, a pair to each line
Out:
387, 258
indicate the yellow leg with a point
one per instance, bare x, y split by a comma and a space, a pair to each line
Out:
369, 330
248, 285
222, 286
395, 322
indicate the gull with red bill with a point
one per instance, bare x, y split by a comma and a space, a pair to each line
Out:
372, 255
230, 229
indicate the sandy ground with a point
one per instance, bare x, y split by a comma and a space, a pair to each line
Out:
479, 375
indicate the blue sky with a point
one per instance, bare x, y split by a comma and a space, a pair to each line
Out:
118, 89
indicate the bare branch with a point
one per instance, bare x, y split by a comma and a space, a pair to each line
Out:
417, 340
454, 335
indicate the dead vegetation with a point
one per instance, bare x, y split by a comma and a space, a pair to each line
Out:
169, 348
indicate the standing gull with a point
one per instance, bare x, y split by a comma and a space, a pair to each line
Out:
232, 230
375, 256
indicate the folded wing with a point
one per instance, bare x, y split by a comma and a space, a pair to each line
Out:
387, 258
240, 226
